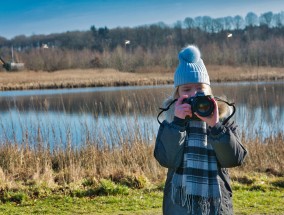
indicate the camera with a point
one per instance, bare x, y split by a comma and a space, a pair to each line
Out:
201, 104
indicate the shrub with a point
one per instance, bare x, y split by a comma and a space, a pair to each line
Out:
107, 187
278, 183
18, 197
132, 181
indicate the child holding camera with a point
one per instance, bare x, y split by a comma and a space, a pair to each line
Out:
196, 147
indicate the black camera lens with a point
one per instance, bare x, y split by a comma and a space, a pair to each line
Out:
203, 105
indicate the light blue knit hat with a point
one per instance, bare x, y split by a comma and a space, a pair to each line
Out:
191, 68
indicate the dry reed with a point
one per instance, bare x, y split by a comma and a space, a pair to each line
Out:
110, 77
38, 164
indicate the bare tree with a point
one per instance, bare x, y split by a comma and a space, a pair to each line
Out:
198, 22
278, 19
251, 19
239, 22
266, 18
178, 33
228, 23
207, 23
188, 22
218, 25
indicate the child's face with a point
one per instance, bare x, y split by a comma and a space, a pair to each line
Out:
192, 89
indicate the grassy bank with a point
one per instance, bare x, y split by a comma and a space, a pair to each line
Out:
109, 77
253, 194
127, 180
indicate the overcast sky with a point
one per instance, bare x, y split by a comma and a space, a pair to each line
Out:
28, 17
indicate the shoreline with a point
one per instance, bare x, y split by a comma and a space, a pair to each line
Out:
78, 78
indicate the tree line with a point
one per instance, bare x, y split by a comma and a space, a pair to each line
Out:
236, 41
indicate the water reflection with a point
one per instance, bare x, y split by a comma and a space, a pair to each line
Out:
101, 101
121, 115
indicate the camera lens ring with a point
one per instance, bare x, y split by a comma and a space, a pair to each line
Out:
203, 105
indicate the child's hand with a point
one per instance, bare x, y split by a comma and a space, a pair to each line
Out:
213, 119
182, 109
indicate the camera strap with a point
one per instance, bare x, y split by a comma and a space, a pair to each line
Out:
165, 109
229, 104
216, 98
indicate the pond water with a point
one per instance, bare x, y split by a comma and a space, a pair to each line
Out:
121, 115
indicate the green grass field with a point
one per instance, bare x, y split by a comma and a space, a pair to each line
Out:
259, 194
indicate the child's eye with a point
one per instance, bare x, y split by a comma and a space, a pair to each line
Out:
201, 88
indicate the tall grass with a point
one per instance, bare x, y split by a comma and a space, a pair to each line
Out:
266, 155
21, 162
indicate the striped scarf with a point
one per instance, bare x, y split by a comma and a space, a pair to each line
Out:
195, 182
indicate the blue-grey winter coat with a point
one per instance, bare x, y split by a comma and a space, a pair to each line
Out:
169, 153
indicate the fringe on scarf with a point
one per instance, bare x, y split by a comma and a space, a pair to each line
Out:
196, 205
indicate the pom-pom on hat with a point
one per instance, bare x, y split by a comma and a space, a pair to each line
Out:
191, 68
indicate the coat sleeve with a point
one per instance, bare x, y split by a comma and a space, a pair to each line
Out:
169, 144
227, 145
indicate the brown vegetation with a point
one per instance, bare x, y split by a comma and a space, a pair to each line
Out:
59, 167
264, 156
110, 77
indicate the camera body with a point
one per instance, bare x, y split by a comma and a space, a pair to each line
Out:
201, 104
